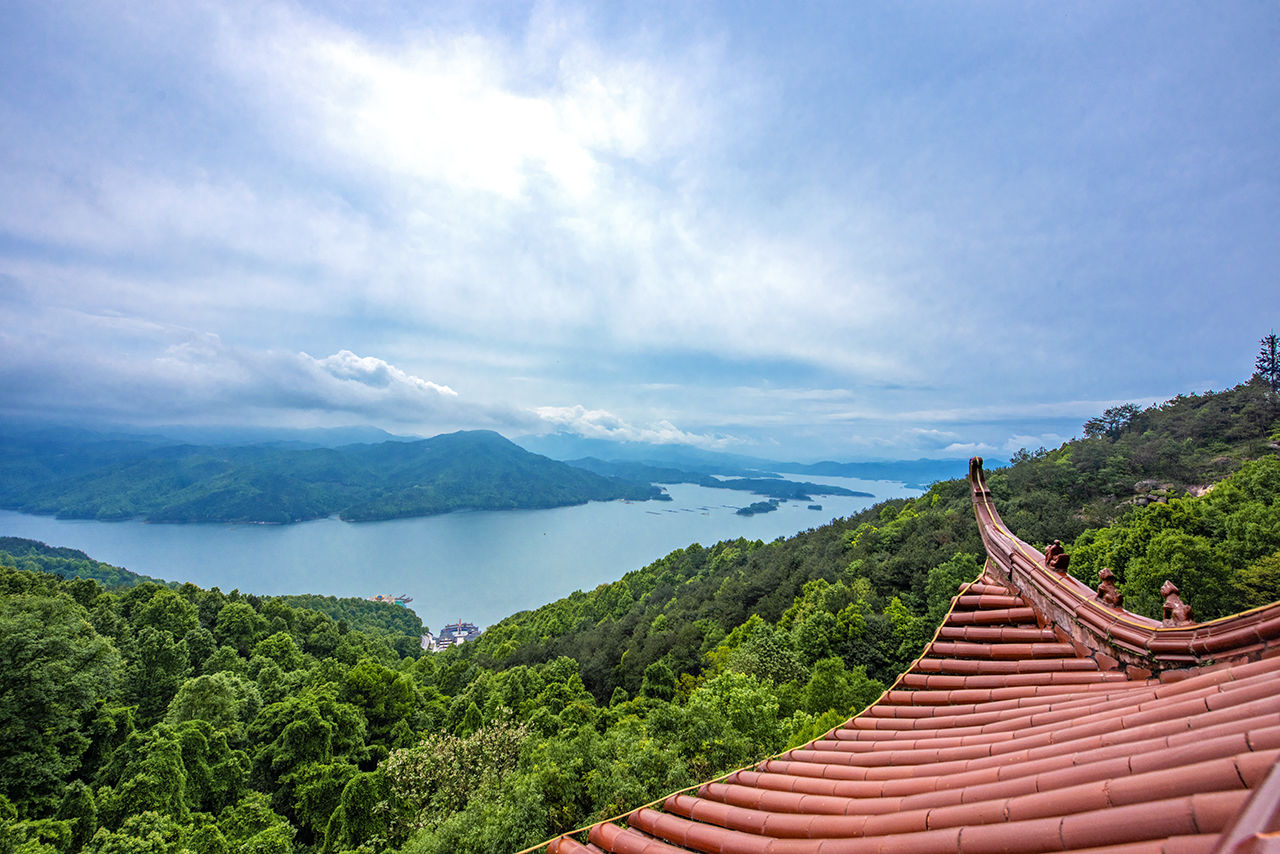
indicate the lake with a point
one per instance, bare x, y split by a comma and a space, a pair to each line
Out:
477, 566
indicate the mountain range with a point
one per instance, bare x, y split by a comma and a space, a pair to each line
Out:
80, 476
278, 476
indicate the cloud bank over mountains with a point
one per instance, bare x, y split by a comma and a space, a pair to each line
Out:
176, 373
890, 232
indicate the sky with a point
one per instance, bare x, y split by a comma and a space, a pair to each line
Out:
803, 231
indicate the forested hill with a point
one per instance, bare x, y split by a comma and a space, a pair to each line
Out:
401, 624
35, 556
81, 477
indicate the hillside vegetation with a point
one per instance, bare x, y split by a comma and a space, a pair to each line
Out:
66, 563
112, 479
362, 614
170, 720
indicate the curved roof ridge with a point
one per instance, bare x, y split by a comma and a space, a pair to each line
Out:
1111, 635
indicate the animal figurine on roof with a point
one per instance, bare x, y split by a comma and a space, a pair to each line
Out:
1176, 612
1055, 558
1108, 594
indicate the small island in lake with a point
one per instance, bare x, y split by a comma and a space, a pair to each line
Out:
759, 507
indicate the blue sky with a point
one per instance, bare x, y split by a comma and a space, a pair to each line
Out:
844, 230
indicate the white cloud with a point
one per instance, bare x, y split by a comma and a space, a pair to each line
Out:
931, 434
540, 189
1022, 410
175, 374
375, 373
365, 387
161, 372
600, 424
1045, 440
553, 189
459, 110
969, 448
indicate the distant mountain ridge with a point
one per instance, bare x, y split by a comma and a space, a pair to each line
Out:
184, 434
295, 475
918, 474
121, 478
762, 483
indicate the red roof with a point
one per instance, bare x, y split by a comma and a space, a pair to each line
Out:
1038, 719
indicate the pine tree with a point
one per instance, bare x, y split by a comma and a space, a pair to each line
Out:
1268, 363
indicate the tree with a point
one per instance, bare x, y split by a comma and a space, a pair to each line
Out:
55, 668
239, 626
317, 791
146, 774
659, 681
731, 719
251, 825
168, 611
147, 833
767, 653
1022, 455
945, 580
383, 695
439, 776
815, 636
361, 814
301, 729
1268, 363
78, 808
831, 687
158, 664
281, 649
225, 700
1112, 422
1189, 561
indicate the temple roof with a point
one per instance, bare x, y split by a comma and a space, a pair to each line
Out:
1039, 718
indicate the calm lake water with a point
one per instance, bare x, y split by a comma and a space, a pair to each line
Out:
474, 566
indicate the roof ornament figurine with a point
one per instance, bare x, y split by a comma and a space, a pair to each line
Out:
1055, 558
1108, 594
1176, 612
